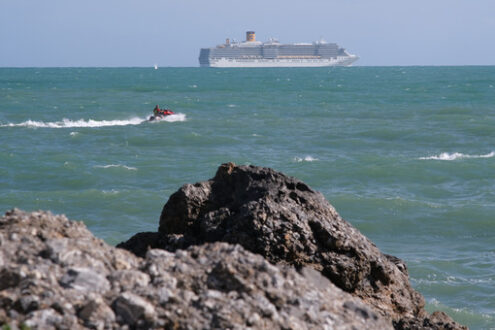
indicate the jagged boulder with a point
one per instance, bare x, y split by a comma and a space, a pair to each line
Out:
54, 274
286, 222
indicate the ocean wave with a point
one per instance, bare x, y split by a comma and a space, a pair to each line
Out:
110, 192
457, 155
305, 159
116, 165
433, 279
467, 311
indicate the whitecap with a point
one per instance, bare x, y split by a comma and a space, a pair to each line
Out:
74, 133
456, 155
116, 165
434, 302
305, 159
110, 192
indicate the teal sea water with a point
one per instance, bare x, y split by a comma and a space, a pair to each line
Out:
406, 154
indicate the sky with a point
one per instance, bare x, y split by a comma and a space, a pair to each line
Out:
123, 33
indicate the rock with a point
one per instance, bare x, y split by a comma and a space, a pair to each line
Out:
96, 314
9, 278
129, 280
224, 286
53, 267
288, 223
84, 279
49, 319
130, 308
52, 285
27, 304
437, 320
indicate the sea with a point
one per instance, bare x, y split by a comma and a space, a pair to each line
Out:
405, 154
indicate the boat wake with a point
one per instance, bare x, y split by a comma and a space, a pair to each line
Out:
172, 118
457, 155
67, 123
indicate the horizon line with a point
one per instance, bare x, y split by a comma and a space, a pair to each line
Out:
191, 67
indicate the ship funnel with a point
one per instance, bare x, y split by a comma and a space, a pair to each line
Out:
250, 36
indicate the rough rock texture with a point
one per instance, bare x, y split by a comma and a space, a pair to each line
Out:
285, 221
55, 274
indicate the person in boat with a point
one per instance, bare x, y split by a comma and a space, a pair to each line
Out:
162, 112
156, 110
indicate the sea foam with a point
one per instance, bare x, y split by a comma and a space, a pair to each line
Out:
457, 155
305, 159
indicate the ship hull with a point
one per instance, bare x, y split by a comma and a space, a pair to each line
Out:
278, 63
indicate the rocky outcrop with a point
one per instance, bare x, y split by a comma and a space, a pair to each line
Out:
288, 223
55, 274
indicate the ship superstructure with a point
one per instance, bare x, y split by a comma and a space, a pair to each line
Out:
252, 53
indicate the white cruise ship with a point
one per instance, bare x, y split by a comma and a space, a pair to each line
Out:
254, 54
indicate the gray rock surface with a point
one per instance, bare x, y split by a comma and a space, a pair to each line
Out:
54, 274
288, 223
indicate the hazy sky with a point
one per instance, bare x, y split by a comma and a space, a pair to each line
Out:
170, 33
